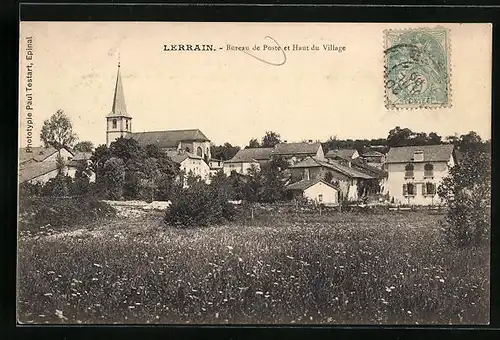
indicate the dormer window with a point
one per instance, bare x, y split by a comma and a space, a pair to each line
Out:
428, 170
418, 156
114, 123
409, 170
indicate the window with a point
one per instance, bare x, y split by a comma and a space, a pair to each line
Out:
114, 123
428, 170
428, 189
408, 189
409, 171
126, 124
320, 197
418, 156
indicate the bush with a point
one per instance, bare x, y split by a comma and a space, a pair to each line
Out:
58, 186
37, 212
199, 205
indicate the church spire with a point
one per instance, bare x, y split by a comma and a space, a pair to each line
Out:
119, 107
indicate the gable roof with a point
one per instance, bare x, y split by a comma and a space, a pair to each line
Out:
370, 170
39, 153
311, 162
180, 157
251, 155
307, 183
34, 170
296, 148
168, 138
343, 153
432, 153
82, 156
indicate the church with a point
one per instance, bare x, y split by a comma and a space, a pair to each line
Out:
191, 144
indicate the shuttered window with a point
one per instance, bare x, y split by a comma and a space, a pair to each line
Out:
408, 189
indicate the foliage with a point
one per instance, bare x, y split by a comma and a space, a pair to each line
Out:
467, 192
58, 186
224, 152
41, 213
114, 178
199, 205
253, 143
149, 172
285, 268
27, 189
57, 131
270, 139
84, 146
272, 181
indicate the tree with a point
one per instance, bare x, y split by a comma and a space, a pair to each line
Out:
126, 149
470, 142
224, 152
270, 139
57, 131
399, 137
467, 192
84, 146
253, 143
113, 178
272, 182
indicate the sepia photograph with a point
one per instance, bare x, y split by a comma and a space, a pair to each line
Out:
224, 173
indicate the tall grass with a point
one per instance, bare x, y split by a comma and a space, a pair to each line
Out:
277, 268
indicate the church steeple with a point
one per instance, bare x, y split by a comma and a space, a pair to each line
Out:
119, 122
119, 107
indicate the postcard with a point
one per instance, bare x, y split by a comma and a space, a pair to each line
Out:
254, 173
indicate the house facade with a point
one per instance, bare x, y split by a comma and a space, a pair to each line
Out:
415, 172
314, 190
348, 179
245, 159
191, 164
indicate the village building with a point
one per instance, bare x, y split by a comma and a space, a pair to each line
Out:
189, 147
245, 159
190, 164
81, 161
415, 172
297, 152
342, 153
42, 154
374, 158
215, 165
350, 181
314, 190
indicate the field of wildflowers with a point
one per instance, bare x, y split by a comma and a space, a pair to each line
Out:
336, 268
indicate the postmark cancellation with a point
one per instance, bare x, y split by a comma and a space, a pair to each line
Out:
417, 68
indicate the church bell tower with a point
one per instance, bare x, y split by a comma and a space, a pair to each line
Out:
118, 121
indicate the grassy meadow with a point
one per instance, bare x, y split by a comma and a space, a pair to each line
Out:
287, 268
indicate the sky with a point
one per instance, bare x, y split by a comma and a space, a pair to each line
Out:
233, 97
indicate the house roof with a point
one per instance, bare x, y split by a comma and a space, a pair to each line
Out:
251, 155
34, 170
343, 153
370, 170
307, 183
296, 148
311, 162
168, 138
432, 153
180, 157
82, 156
119, 109
373, 153
39, 154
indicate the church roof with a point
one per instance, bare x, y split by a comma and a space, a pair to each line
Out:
169, 138
119, 108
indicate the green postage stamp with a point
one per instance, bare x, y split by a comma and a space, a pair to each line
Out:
417, 71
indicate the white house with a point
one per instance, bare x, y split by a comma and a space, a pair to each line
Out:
315, 190
415, 172
246, 158
215, 165
190, 163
